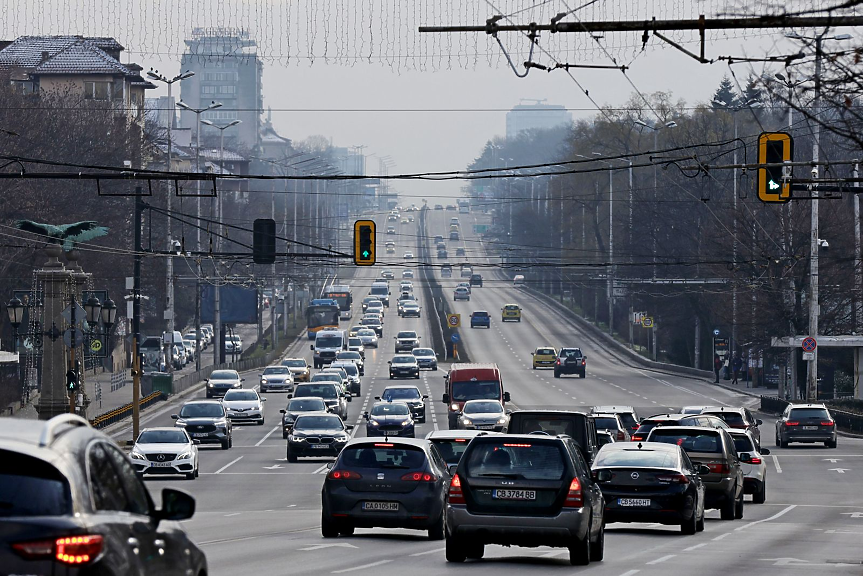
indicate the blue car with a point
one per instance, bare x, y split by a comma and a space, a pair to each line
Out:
480, 318
390, 419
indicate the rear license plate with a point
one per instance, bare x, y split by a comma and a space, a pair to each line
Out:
160, 464
634, 502
810, 427
514, 494
320, 446
485, 427
199, 434
381, 506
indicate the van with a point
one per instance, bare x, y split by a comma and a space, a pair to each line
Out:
382, 291
471, 382
580, 426
328, 343
518, 280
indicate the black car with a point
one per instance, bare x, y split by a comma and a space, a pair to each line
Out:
390, 419
806, 423
317, 434
651, 422
404, 366
651, 482
297, 406
476, 280
206, 421
524, 490
410, 395
579, 426
570, 361
398, 483
73, 504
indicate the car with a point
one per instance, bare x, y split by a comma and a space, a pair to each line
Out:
404, 221
806, 423
480, 318
714, 448
577, 425
299, 368
426, 358
71, 500
244, 406
237, 343
191, 350
353, 371
410, 218
391, 249
476, 280
544, 357
482, 415
453, 443
438, 206
438, 239
406, 286
406, 340
450, 207
738, 418
461, 293
375, 315
614, 424
389, 419
404, 366
332, 393
355, 344
165, 451
514, 501
604, 437
446, 271
399, 483
407, 273
375, 307
353, 356
651, 422
220, 381
625, 413
510, 312
570, 361
367, 300
408, 255
317, 434
387, 275
651, 482
352, 331
276, 378
518, 280
373, 323
692, 409
753, 463
368, 337
391, 230
392, 217
466, 271
297, 406
338, 377
465, 285
206, 421
410, 395
410, 309
460, 251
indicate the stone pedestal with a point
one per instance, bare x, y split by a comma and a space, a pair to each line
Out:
54, 277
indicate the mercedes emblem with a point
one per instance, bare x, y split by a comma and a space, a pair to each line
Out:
160, 457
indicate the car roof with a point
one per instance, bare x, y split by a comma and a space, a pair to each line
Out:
415, 442
201, 401
706, 411
612, 409
316, 413
303, 359
306, 398
688, 429
454, 434
809, 406
401, 386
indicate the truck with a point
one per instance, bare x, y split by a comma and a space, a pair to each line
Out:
471, 381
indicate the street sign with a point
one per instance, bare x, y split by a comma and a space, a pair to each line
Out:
807, 356
638, 317
95, 345
455, 338
80, 314
720, 347
619, 291
716, 332
453, 320
809, 344
67, 337
647, 322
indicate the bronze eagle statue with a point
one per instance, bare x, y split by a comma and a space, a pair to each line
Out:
65, 234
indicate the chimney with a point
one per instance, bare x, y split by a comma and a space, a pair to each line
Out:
45, 56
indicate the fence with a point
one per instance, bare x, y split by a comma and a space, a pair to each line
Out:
125, 411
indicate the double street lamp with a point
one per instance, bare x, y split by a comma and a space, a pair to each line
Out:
95, 311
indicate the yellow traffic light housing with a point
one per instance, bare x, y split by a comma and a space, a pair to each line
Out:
774, 148
364, 242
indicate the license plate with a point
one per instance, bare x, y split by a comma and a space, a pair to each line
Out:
381, 506
485, 427
199, 434
634, 502
514, 494
810, 427
161, 464
320, 446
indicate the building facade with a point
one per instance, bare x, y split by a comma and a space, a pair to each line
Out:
536, 116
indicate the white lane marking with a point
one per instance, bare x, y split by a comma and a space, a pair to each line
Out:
659, 560
234, 514
435, 551
630, 572
228, 465
319, 470
774, 517
262, 440
776, 463
363, 567
721, 536
696, 547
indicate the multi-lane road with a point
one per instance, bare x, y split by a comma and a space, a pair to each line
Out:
258, 514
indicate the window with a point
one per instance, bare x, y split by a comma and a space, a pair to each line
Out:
31, 487
381, 456
25, 87
632, 457
97, 90
106, 486
117, 91
137, 501
534, 461
689, 440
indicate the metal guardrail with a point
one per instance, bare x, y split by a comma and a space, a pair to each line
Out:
773, 405
125, 411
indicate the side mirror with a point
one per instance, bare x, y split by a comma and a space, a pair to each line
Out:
389, 361
366, 415
703, 469
176, 505
765, 451
242, 379
451, 468
311, 347
207, 380
290, 396
174, 417
759, 422
745, 457
377, 397
263, 399
330, 465
508, 412
281, 411
196, 441
425, 397
445, 399
506, 397
350, 398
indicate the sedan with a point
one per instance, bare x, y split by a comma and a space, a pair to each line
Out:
244, 406
482, 415
368, 337
614, 424
404, 366
352, 356
299, 368
753, 464
220, 381
651, 482
355, 344
297, 406
375, 306
426, 358
206, 421
398, 483
317, 434
165, 451
367, 300
407, 273
409, 256
389, 419
276, 378
461, 293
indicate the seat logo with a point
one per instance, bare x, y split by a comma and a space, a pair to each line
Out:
634, 475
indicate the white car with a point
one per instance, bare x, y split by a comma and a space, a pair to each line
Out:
244, 406
165, 451
409, 256
277, 378
461, 293
375, 307
754, 467
407, 273
368, 337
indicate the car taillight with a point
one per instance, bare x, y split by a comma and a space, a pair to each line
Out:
71, 550
456, 496
827, 423
719, 467
419, 477
792, 423
343, 475
637, 437
574, 498
583, 362
672, 478
621, 435
754, 461
558, 362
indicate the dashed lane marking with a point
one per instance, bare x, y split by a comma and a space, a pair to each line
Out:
776, 464
262, 440
362, 567
660, 560
228, 465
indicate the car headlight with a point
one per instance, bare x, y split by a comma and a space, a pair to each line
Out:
501, 420
237, 384
297, 438
406, 422
209, 384
221, 422
185, 455
374, 423
342, 438
135, 455
454, 406
467, 421
263, 380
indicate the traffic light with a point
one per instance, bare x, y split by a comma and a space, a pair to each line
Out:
264, 241
774, 148
364, 242
71, 381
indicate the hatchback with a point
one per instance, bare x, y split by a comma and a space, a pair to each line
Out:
480, 318
461, 293
426, 358
753, 463
510, 312
544, 357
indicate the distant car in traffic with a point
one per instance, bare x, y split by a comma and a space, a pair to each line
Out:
625, 413
206, 421
480, 319
408, 394
651, 422
806, 423
368, 337
737, 418
165, 451
570, 361
297, 406
332, 393
461, 293
476, 280
316, 434
353, 356
426, 358
389, 418
614, 424
753, 463
299, 369
406, 340
452, 443
220, 381
276, 378
510, 312
410, 309
404, 366
244, 406
482, 415
544, 357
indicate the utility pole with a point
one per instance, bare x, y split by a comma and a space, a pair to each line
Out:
858, 258
136, 316
812, 372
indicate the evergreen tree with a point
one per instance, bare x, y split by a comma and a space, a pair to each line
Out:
725, 93
753, 90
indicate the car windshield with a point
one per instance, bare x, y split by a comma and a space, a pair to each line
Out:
318, 423
809, 413
327, 391
606, 423
240, 395
371, 322
689, 440
406, 335
382, 455
375, 304
401, 394
731, 418
326, 377
544, 352
306, 405
380, 290
276, 370
328, 342
522, 460
483, 408
423, 352
370, 299
367, 333
404, 360
388, 409
294, 363
31, 487
742, 443
475, 390
163, 437
351, 369
636, 457
224, 375
349, 356
208, 410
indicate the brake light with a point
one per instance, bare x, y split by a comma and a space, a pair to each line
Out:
461, 439
72, 550
558, 362
621, 435
574, 498
827, 423
792, 423
456, 496
637, 438
517, 445
383, 445
419, 477
343, 475
755, 461
672, 479
719, 467
583, 362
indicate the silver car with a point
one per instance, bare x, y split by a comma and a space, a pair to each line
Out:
753, 464
368, 337
277, 379
220, 381
244, 406
483, 415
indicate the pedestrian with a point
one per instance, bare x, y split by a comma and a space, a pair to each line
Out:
736, 366
717, 365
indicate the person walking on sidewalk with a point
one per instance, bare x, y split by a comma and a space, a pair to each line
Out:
736, 366
717, 366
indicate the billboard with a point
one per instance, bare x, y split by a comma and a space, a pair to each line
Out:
238, 305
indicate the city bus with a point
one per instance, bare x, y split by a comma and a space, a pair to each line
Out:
321, 314
341, 293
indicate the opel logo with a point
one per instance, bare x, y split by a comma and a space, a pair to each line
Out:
634, 475
160, 457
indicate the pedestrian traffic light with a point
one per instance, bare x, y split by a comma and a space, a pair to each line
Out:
264, 241
774, 182
71, 381
364, 242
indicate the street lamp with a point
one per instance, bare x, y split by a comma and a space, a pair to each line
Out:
109, 313
15, 310
93, 310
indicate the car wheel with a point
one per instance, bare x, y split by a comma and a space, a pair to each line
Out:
261, 423
437, 531
455, 552
831, 443
197, 472
579, 552
689, 526
726, 512
738, 507
292, 458
434, 368
597, 549
346, 530
475, 551
190, 476
783, 443
284, 435
328, 527
534, 366
556, 374
225, 445
760, 496
699, 524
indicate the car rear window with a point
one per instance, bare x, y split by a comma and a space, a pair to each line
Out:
516, 459
731, 418
554, 425
689, 440
635, 457
31, 487
606, 423
382, 455
809, 413
320, 390
451, 448
742, 443
545, 351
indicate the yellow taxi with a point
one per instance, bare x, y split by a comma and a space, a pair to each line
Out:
354, 329
510, 312
544, 357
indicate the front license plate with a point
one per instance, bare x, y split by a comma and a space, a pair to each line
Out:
160, 464
514, 494
810, 427
634, 502
320, 446
199, 434
485, 427
381, 506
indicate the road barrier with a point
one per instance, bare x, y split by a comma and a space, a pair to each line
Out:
125, 411
773, 405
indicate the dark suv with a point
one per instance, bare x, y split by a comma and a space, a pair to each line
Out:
476, 280
570, 361
579, 426
72, 504
806, 423
207, 422
652, 422
524, 490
